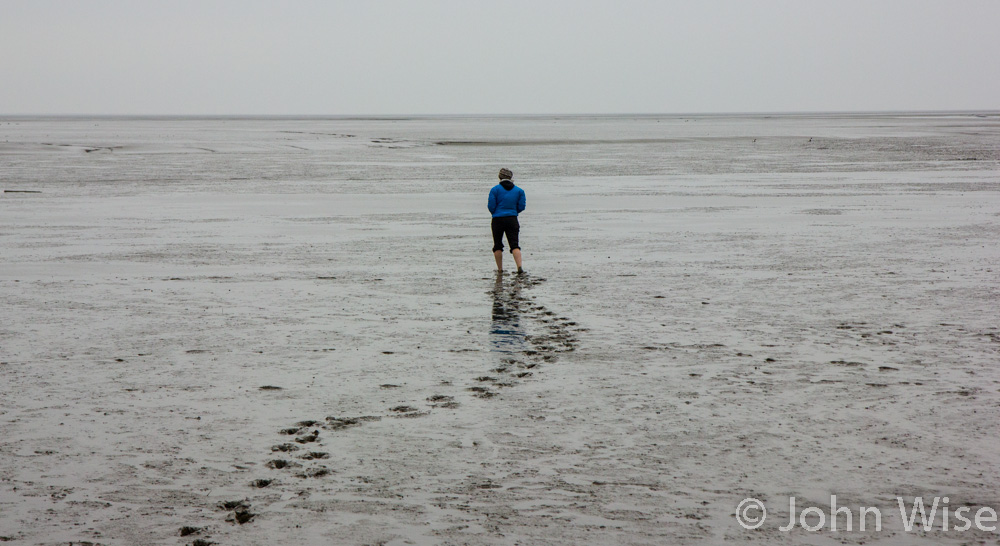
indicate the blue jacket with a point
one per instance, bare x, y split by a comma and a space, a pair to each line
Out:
506, 199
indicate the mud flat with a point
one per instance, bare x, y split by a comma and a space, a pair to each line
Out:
289, 331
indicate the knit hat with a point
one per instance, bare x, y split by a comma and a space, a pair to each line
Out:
505, 174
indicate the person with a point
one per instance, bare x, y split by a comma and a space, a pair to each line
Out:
505, 203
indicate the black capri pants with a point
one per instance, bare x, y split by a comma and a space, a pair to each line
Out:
508, 225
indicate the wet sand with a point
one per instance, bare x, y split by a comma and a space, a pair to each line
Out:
287, 331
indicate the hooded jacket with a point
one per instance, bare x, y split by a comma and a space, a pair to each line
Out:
506, 199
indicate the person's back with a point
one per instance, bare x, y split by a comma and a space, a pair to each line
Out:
506, 199
505, 203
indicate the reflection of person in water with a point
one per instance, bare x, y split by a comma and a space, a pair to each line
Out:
506, 333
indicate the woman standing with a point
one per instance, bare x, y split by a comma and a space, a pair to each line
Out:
506, 201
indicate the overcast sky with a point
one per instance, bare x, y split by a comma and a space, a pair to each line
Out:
496, 57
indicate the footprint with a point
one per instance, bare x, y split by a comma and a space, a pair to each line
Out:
188, 530
239, 511
312, 455
241, 516
308, 438
482, 392
338, 423
235, 505
443, 401
315, 472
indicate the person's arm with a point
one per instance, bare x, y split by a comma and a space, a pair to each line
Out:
492, 203
521, 202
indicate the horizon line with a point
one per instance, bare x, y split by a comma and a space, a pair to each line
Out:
398, 116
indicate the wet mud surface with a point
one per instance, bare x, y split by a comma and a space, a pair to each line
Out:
212, 337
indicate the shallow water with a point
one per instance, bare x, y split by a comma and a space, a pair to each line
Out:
453, 154
716, 307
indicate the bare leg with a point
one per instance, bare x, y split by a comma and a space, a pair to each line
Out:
498, 254
517, 258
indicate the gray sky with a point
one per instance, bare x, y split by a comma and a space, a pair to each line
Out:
469, 56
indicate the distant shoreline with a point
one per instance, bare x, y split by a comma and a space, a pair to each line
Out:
407, 117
